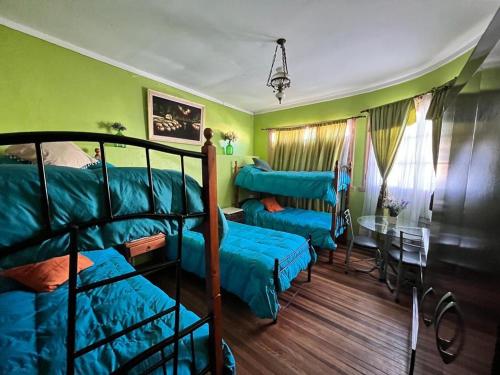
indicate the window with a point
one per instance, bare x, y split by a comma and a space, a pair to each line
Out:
412, 176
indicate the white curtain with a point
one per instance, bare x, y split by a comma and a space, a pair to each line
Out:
412, 176
349, 133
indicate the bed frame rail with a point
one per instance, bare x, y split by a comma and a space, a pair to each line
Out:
341, 205
209, 191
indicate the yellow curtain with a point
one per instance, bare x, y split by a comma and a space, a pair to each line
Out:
312, 148
387, 125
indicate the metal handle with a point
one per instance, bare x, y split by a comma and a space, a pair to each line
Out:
444, 344
427, 321
447, 297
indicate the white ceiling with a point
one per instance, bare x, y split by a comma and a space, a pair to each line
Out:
223, 48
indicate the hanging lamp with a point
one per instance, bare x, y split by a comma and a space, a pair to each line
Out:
280, 80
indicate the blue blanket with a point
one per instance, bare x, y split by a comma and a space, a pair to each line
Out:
294, 220
77, 195
313, 185
247, 262
33, 325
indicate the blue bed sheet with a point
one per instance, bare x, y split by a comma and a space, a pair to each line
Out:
33, 325
313, 185
294, 220
77, 195
247, 263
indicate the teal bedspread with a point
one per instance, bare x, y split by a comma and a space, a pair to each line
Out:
294, 220
77, 195
313, 185
33, 325
247, 262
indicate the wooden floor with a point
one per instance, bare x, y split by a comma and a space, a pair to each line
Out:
336, 324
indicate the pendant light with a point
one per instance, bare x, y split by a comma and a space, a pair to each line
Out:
280, 80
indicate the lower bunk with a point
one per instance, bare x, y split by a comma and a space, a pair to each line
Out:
302, 222
256, 263
33, 326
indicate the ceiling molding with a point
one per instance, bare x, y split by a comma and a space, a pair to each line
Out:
96, 56
377, 86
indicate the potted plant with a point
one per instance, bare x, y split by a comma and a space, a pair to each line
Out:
120, 128
394, 207
229, 137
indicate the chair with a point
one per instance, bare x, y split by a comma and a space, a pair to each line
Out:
363, 242
410, 254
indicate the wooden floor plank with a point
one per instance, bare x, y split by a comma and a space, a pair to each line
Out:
337, 324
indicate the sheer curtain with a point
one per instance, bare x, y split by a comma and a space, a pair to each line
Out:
412, 176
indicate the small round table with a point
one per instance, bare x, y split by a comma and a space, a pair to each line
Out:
389, 232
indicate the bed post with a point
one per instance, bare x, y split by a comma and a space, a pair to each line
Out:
276, 278
211, 234
236, 188
311, 252
334, 213
346, 200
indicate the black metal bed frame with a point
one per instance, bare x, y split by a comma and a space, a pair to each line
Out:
38, 138
338, 209
276, 271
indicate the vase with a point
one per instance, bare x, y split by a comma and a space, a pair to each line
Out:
229, 149
392, 220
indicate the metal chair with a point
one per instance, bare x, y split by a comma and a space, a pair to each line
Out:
363, 242
410, 254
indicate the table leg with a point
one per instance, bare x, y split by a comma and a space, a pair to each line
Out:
385, 251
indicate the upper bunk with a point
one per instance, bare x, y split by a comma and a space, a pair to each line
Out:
297, 184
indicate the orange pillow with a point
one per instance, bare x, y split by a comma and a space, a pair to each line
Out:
46, 276
271, 204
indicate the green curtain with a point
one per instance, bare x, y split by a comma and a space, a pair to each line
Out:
387, 125
435, 113
313, 148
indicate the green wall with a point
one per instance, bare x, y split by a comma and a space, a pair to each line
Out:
352, 106
47, 87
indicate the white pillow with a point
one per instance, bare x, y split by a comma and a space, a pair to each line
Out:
65, 154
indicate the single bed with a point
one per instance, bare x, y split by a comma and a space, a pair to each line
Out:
323, 227
302, 222
31, 333
256, 263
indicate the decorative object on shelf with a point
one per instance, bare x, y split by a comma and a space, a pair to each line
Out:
119, 128
229, 137
394, 207
280, 80
173, 119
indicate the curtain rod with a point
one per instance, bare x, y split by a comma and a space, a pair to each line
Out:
314, 124
447, 84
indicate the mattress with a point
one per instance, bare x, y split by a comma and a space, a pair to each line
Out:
33, 326
247, 257
312, 185
295, 220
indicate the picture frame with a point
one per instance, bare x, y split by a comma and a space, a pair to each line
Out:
172, 119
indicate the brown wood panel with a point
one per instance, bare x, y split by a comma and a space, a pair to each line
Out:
336, 324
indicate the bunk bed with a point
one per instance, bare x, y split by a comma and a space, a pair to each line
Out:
323, 227
107, 318
256, 264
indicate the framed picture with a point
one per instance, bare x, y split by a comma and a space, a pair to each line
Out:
171, 119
